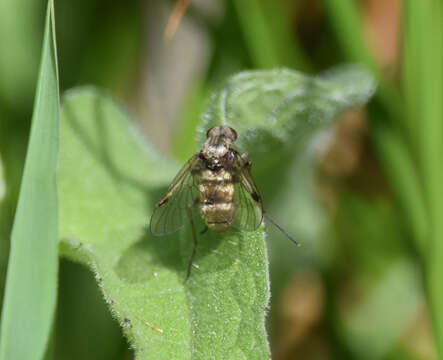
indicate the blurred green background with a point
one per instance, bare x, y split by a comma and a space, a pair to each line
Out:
364, 198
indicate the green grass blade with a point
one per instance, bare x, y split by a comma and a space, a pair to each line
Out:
2, 181
19, 24
31, 286
266, 28
424, 92
184, 144
346, 21
404, 176
412, 67
3, 231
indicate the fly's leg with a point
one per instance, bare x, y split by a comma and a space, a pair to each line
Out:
194, 234
194, 250
280, 228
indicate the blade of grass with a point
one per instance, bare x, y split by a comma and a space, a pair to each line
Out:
427, 81
346, 21
402, 175
3, 230
19, 25
184, 144
345, 17
413, 18
31, 285
2, 182
266, 29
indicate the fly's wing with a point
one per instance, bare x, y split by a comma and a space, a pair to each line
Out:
248, 204
173, 210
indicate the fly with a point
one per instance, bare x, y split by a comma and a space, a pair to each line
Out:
217, 183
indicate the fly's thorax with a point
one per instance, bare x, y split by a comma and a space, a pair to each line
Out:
216, 192
214, 150
217, 151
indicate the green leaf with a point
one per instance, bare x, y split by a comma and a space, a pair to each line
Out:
109, 181
275, 108
31, 285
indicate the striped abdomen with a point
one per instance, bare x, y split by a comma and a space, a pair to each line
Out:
217, 199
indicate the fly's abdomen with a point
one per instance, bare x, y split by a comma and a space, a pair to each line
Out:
217, 199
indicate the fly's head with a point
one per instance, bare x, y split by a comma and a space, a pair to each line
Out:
217, 148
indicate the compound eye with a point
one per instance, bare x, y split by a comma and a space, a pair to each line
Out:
214, 131
234, 134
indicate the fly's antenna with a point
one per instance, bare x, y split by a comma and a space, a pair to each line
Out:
281, 229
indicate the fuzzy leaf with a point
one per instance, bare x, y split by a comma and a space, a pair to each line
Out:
273, 108
109, 181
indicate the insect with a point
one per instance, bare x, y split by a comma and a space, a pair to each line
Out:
217, 183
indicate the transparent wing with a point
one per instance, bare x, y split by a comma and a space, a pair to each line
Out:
248, 204
173, 210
